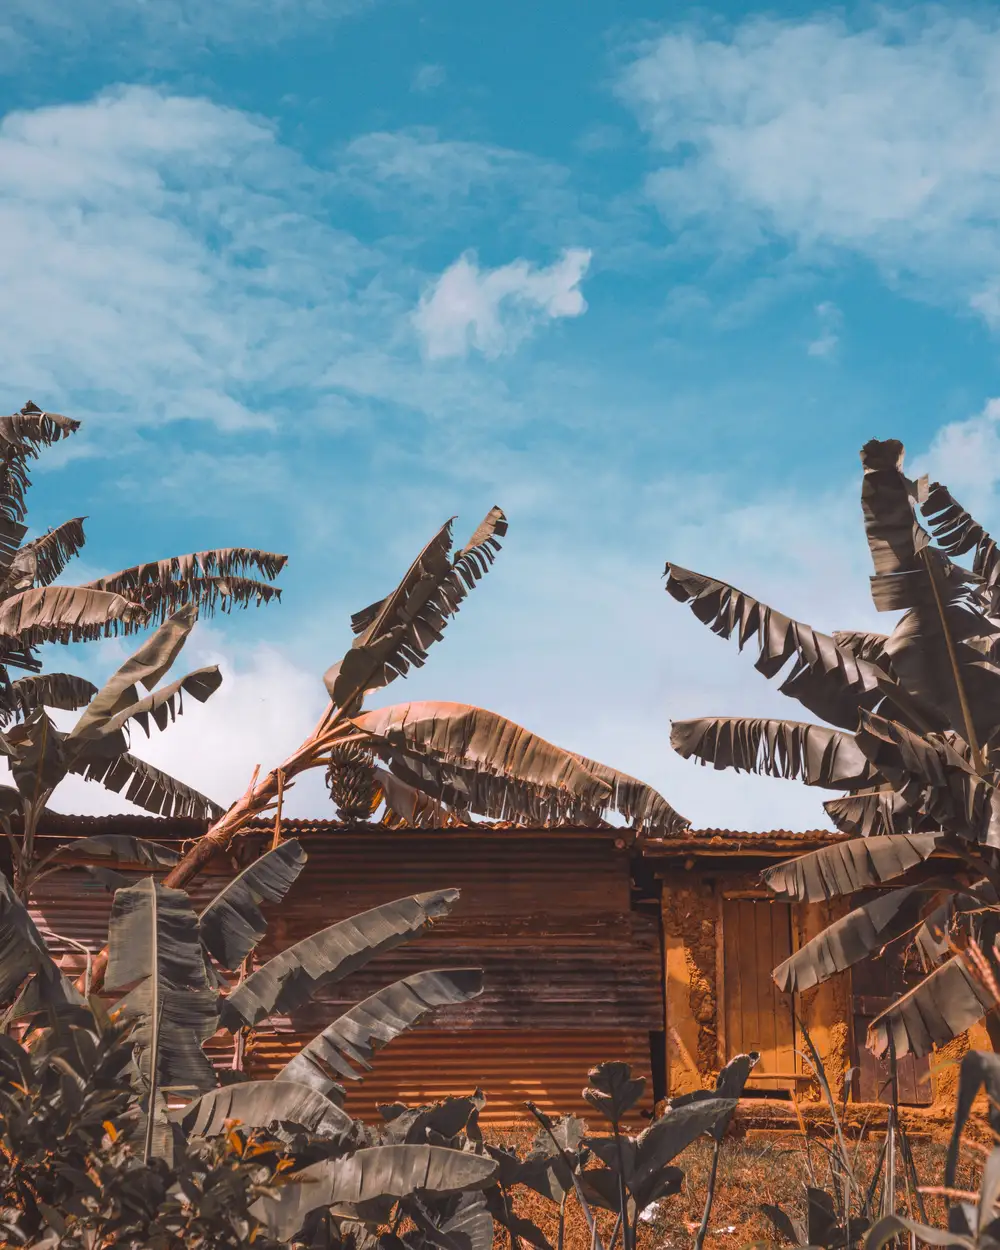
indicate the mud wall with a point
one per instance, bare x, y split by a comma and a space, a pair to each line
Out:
690, 912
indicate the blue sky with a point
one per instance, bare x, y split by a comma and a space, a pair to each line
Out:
318, 275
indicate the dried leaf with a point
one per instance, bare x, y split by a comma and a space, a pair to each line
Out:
292, 977
455, 734
829, 680
958, 533
948, 1001
150, 788
66, 614
123, 848
407, 806
943, 612
814, 754
847, 867
58, 690
380, 1172
853, 937
22, 436
874, 813
155, 953
210, 580
233, 923
162, 706
396, 632
40, 562
23, 954
259, 1104
646, 810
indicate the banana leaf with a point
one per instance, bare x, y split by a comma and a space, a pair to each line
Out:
831, 681
354, 1037
947, 1001
847, 867
396, 632
23, 954
258, 1104
232, 924
367, 1176
289, 979
814, 754
853, 937
155, 954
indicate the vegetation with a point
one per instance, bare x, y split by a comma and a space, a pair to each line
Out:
116, 1128
270, 1164
912, 740
152, 1149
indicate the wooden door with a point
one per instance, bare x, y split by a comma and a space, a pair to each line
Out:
876, 983
757, 936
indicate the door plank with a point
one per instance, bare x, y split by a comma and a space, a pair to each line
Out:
757, 935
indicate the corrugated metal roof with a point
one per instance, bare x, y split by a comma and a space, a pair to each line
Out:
178, 829
736, 842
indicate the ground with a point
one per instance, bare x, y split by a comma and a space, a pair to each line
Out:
760, 1168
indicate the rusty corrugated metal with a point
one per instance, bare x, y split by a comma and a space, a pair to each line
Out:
572, 973
549, 1066
549, 921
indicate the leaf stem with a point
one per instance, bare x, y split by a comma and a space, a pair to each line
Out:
699, 1240
970, 731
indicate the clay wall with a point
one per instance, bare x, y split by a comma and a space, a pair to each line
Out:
691, 919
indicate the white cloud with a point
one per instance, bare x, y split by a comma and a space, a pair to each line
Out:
266, 706
883, 139
965, 456
825, 343
165, 258
428, 78
492, 310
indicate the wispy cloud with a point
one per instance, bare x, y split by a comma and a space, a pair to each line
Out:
821, 136
158, 31
493, 310
825, 343
168, 259
427, 78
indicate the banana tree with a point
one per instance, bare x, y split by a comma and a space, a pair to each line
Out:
40, 755
180, 972
912, 741
35, 608
432, 762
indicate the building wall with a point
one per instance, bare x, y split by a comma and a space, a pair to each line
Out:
573, 973
690, 910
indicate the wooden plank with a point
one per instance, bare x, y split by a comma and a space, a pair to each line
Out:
876, 983
763, 917
733, 984
746, 963
756, 936
721, 988
781, 949
906, 1080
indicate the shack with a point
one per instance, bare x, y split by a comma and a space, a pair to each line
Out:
573, 968
723, 933
657, 952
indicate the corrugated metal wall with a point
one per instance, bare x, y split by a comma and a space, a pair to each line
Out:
572, 974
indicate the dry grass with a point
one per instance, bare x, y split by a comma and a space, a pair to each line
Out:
758, 1169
